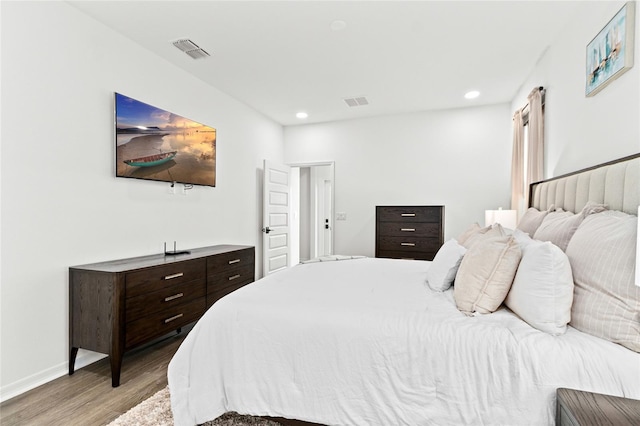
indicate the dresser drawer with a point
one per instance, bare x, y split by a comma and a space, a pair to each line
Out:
232, 259
162, 277
402, 229
408, 244
416, 255
164, 322
409, 214
230, 276
217, 293
221, 284
165, 298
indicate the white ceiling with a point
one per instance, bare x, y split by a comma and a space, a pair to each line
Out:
281, 57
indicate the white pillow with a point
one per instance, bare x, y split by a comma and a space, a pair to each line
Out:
522, 238
542, 290
444, 267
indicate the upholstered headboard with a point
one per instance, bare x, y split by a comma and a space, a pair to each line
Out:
616, 183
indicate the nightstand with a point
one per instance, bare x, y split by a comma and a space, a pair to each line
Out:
579, 408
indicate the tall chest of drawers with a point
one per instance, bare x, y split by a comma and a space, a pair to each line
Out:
409, 232
119, 305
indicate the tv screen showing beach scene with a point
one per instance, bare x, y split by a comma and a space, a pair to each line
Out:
155, 144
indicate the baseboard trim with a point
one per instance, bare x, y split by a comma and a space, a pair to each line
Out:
21, 386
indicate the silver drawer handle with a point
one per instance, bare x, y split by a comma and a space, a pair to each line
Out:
408, 214
173, 318
169, 277
175, 296
408, 229
234, 277
231, 262
408, 244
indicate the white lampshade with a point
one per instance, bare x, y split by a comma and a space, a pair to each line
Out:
506, 218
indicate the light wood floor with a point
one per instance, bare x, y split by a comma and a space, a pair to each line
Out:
87, 398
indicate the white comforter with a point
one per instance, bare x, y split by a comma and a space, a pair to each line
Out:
366, 342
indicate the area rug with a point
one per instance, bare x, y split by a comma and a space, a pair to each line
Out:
156, 411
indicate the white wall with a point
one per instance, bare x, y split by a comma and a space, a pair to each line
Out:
459, 158
580, 131
62, 205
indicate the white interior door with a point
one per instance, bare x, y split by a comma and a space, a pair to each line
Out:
276, 217
327, 231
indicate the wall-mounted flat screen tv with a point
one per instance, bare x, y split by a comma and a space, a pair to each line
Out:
155, 144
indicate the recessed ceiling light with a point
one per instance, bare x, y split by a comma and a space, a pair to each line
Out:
472, 94
338, 25
302, 115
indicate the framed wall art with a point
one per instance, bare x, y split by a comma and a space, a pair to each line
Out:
610, 53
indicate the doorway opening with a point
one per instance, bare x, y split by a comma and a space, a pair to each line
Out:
312, 215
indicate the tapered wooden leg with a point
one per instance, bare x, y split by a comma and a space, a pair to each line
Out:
116, 365
72, 360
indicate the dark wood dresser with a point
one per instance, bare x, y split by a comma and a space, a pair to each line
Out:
118, 305
409, 232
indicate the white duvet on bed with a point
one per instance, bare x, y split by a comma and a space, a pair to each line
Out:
366, 342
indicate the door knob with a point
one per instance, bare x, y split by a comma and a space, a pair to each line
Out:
266, 230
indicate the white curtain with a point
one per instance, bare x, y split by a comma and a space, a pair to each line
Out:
535, 157
517, 164
532, 154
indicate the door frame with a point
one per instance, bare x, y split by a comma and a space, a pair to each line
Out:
296, 215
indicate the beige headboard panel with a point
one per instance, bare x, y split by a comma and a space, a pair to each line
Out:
616, 183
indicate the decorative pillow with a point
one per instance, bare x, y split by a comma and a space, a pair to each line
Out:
445, 265
531, 220
484, 233
592, 207
558, 227
468, 232
485, 275
542, 290
606, 302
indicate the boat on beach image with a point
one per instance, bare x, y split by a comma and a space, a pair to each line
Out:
151, 160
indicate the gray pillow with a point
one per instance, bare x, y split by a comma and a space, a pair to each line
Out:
531, 220
558, 227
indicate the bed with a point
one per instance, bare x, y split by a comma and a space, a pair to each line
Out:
368, 341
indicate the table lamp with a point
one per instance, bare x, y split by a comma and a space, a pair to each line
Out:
506, 218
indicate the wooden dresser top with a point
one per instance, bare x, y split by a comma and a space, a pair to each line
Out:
133, 263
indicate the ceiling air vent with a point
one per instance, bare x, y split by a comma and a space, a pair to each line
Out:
190, 48
357, 101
